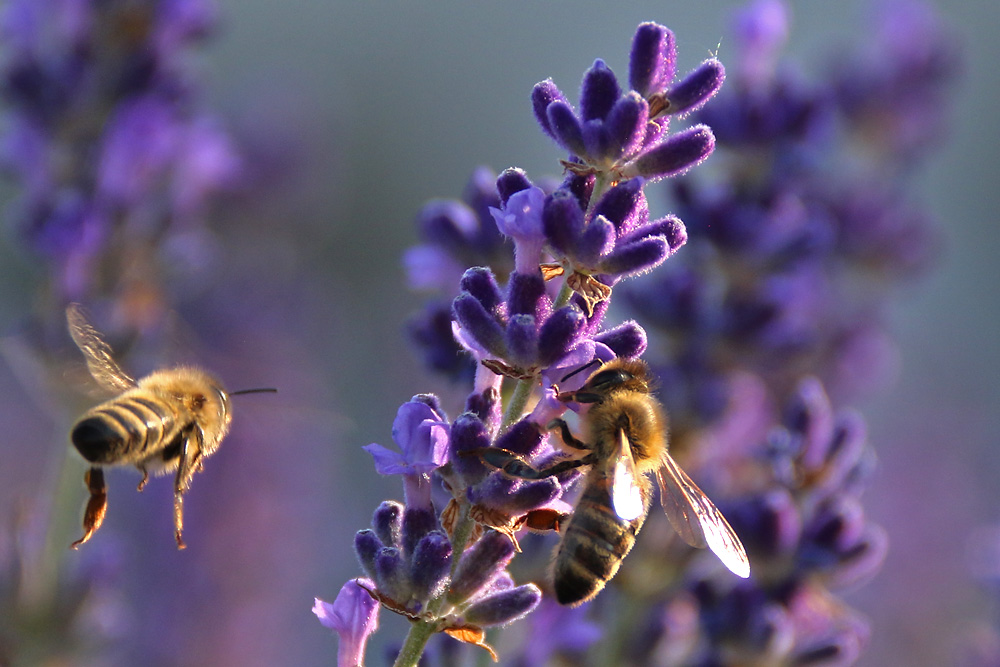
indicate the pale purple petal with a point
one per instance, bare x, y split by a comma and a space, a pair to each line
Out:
353, 616
387, 462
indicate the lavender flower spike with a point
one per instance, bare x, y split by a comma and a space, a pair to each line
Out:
354, 616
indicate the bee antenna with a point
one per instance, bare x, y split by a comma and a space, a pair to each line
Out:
259, 390
581, 369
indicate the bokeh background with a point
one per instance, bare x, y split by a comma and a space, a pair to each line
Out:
353, 115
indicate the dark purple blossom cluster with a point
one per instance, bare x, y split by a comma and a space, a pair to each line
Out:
527, 322
795, 245
594, 227
116, 164
114, 167
806, 533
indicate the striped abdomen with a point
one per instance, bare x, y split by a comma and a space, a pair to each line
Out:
126, 430
594, 544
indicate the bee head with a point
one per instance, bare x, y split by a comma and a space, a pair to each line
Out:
619, 375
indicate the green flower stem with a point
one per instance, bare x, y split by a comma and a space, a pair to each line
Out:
518, 401
460, 536
602, 181
416, 640
563, 297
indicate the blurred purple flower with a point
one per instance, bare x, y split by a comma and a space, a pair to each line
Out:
353, 616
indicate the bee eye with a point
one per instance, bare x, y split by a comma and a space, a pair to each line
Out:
609, 379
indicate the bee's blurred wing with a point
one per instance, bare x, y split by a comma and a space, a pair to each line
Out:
100, 361
696, 518
626, 496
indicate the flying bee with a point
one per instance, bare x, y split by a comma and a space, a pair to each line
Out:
626, 438
169, 421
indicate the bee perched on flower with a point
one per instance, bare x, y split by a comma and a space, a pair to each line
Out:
527, 324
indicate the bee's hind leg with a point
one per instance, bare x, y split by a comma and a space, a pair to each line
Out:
190, 462
97, 506
145, 477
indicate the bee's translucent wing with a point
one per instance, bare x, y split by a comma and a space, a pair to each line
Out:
100, 361
696, 518
626, 496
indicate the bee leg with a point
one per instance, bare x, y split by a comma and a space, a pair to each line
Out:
145, 478
545, 519
567, 436
189, 463
515, 466
93, 517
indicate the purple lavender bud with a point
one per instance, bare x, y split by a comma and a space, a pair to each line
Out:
625, 206
841, 646
524, 437
480, 193
635, 258
562, 220
417, 523
675, 155
480, 282
597, 240
653, 60
542, 96
863, 559
559, 333
367, 546
670, 227
656, 130
522, 340
566, 127
761, 29
809, 414
847, 447
599, 92
354, 616
388, 522
430, 565
626, 126
432, 333
504, 607
691, 92
468, 433
596, 141
627, 340
430, 267
479, 324
479, 565
391, 575
770, 525
514, 496
526, 294
510, 181
485, 405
